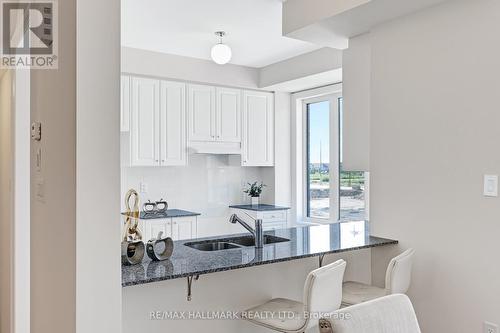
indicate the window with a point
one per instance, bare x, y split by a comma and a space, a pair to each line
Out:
318, 160
321, 158
330, 194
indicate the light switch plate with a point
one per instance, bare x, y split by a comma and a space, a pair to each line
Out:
490, 185
36, 131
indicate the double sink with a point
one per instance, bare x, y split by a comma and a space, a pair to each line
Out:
232, 243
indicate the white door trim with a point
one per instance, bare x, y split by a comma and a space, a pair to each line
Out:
21, 220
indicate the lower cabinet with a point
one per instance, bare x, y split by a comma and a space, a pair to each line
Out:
184, 228
274, 225
154, 227
271, 220
178, 228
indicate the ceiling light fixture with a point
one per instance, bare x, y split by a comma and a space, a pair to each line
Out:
221, 53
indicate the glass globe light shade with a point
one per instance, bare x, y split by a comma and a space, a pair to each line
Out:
221, 54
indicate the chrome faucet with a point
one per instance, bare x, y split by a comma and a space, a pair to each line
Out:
257, 233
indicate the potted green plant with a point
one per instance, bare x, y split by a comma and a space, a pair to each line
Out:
254, 191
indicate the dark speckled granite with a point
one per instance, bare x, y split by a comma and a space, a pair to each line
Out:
304, 242
168, 214
259, 208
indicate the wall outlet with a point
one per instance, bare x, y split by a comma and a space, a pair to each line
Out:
490, 327
143, 187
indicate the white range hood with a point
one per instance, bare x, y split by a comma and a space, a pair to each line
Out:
215, 148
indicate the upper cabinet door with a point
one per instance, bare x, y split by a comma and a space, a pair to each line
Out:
172, 123
228, 115
125, 104
258, 129
201, 111
145, 129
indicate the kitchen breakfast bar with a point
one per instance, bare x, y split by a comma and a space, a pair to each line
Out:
232, 265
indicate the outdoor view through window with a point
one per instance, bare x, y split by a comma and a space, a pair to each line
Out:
352, 183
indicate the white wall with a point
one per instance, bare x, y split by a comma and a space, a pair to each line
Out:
142, 62
298, 14
434, 133
207, 185
356, 92
309, 64
282, 149
98, 269
6, 200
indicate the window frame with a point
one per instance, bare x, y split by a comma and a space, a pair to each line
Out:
334, 146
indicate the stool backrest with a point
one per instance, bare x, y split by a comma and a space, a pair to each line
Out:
323, 289
398, 275
388, 314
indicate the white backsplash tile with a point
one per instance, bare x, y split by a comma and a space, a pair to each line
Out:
208, 185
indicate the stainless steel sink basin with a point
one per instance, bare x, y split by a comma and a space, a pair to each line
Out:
250, 241
212, 246
232, 243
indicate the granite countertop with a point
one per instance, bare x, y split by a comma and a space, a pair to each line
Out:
168, 214
260, 207
303, 242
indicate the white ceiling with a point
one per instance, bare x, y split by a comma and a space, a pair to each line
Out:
186, 27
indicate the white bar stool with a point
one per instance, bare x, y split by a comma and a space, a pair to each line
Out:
322, 294
397, 281
388, 314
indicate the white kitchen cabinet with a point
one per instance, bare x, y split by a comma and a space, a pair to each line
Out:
214, 114
179, 228
125, 103
156, 226
184, 228
201, 113
258, 129
274, 226
172, 123
271, 219
228, 115
158, 122
145, 125
166, 117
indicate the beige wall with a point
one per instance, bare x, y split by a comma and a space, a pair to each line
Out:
434, 134
6, 200
53, 226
